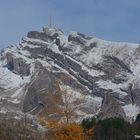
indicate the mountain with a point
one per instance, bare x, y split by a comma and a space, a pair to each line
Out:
105, 73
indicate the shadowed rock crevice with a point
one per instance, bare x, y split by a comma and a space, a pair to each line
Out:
119, 62
111, 108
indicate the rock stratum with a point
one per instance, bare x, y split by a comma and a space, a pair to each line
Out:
106, 73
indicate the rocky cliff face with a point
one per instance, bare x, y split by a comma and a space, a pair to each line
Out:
107, 73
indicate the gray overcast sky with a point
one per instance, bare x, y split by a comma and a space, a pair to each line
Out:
115, 20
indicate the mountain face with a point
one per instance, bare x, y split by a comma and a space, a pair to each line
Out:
105, 73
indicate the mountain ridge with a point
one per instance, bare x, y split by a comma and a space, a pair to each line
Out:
96, 66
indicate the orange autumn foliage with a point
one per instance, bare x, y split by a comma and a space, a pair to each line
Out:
60, 120
62, 131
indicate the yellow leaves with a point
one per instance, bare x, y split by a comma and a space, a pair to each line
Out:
62, 131
89, 132
62, 115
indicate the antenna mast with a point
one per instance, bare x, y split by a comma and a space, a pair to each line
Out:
50, 21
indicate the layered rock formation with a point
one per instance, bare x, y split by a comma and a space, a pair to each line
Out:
98, 68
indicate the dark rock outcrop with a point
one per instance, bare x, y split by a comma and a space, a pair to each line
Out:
111, 108
17, 65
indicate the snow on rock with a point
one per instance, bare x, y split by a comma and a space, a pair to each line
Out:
15, 101
33, 40
131, 111
9, 79
123, 51
73, 33
90, 71
54, 48
88, 105
18, 93
86, 54
70, 92
63, 39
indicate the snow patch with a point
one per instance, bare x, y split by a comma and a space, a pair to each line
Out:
131, 111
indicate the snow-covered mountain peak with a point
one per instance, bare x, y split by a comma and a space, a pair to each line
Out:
96, 66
